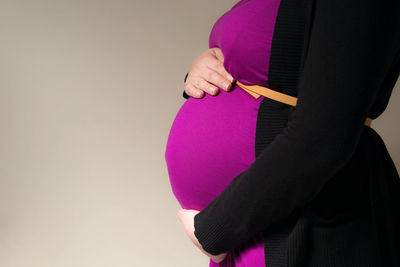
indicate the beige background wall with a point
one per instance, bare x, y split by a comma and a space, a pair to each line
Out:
88, 92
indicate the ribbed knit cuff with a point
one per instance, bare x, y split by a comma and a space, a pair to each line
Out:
210, 233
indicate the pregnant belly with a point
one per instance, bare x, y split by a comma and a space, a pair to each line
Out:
211, 141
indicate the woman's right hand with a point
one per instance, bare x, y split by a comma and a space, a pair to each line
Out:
207, 73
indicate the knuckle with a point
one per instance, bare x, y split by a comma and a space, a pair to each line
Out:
209, 88
208, 74
188, 89
220, 67
201, 84
214, 77
213, 63
221, 71
197, 83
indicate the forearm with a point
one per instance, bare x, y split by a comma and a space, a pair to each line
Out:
348, 58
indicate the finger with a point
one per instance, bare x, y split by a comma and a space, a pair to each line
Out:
219, 55
191, 90
206, 86
220, 64
220, 68
217, 79
180, 214
193, 211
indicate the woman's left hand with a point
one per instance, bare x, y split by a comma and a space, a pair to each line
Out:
186, 216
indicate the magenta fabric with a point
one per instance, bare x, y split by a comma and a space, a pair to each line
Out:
212, 139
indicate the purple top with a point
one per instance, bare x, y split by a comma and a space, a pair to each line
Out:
244, 34
212, 139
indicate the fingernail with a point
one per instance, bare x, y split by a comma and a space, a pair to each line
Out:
225, 85
212, 89
230, 78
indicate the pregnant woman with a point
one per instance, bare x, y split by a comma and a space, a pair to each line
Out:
284, 168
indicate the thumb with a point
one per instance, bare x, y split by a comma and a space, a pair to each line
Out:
219, 55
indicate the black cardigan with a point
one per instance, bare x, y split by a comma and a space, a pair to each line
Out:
341, 59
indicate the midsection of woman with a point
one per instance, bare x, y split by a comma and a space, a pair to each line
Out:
212, 139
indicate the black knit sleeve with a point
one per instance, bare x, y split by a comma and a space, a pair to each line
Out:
352, 45
185, 95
